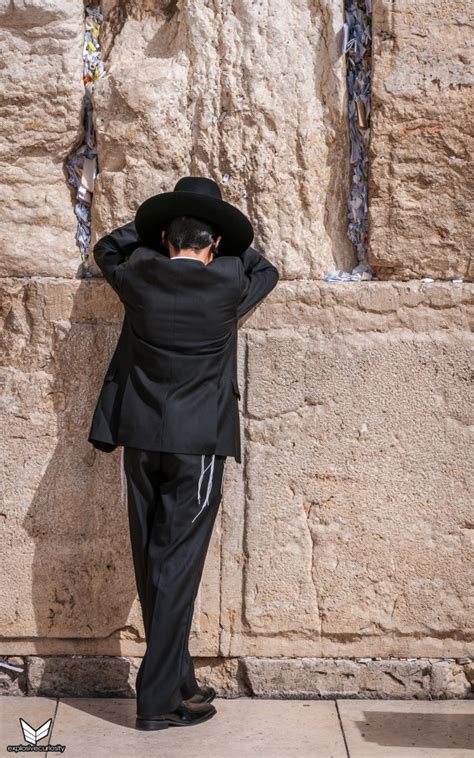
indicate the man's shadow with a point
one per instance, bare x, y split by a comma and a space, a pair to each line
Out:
82, 578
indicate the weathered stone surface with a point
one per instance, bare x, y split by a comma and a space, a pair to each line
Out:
283, 138
115, 675
68, 568
226, 675
312, 678
469, 672
326, 677
13, 682
358, 506
358, 492
40, 117
450, 680
343, 307
82, 676
420, 193
346, 530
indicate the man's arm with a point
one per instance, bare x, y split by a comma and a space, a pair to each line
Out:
258, 278
115, 248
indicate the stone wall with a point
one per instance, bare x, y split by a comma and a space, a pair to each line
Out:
273, 76
249, 676
40, 106
420, 191
343, 533
347, 528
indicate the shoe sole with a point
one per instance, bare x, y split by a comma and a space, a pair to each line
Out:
153, 725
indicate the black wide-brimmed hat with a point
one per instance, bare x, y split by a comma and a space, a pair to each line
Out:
201, 198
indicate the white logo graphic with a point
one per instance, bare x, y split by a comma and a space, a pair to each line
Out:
33, 736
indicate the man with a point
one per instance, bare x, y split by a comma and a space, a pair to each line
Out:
185, 274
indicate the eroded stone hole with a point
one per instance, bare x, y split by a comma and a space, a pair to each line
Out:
81, 164
357, 46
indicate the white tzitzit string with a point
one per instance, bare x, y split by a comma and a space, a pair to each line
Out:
223, 472
123, 479
209, 484
203, 470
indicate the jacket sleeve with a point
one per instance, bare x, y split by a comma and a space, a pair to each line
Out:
258, 278
114, 249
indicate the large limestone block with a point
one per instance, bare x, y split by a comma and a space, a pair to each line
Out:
343, 678
421, 198
40, 118
358, 508
82, 676
249, 91
68, 571
345, 531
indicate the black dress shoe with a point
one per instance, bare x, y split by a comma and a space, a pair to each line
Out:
204, 695
186, 714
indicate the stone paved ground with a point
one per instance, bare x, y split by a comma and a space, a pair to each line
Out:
244, 727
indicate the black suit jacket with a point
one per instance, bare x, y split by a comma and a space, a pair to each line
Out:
171, 384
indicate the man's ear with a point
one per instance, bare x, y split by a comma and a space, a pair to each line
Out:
164, 243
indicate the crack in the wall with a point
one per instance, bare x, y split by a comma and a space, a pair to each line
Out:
357, 46
81, 164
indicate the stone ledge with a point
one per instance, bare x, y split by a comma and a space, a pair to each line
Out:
413, 305
295, 678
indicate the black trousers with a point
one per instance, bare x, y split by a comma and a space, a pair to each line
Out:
172, 500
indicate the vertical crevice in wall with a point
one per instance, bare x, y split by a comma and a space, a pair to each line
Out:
81, 164
358, 50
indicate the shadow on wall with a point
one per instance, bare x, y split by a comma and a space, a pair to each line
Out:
82, 580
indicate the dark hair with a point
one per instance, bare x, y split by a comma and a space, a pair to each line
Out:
187, 231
